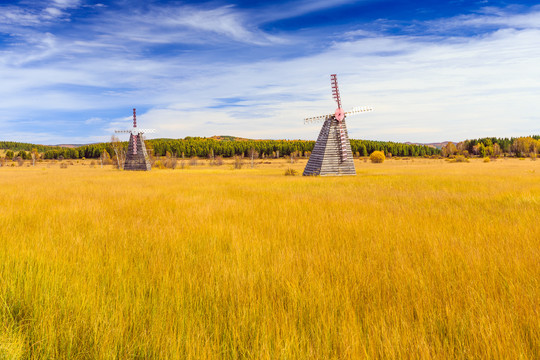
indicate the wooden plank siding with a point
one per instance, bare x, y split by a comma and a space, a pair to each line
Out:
326, 159
138, 161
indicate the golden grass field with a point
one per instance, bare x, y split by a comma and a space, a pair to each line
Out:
419, 259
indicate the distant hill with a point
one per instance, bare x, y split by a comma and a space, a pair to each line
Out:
228, 138
437, 145
71, 146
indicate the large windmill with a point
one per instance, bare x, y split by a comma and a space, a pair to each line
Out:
332, 153
136, 157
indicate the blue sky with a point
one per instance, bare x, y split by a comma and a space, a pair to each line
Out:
72, 70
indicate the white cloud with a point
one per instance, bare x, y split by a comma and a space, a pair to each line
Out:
489, 18
223, 20
296, 8
66, 4
17, 16
93, 121
12, 17
185, 24
53, 12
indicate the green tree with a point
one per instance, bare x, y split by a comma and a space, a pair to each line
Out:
23, 155
482, 150
364, 150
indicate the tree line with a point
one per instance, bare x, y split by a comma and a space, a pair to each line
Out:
18, 146
525, 146
210, 147
366, 147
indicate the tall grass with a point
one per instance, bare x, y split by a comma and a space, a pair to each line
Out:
422, 259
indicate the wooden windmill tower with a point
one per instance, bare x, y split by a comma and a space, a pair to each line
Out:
136, 157
332, 153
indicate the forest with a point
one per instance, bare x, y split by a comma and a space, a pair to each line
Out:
207, 147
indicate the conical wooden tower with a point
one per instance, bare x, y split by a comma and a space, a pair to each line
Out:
326, 157
137, 156
332, 153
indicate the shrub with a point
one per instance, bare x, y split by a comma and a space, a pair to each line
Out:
158, 164
291, 172
486, 159
459, 158
170, 163
238, 163
377, 157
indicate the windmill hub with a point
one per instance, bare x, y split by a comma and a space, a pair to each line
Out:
339, 114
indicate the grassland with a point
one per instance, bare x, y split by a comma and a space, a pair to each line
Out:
409, 259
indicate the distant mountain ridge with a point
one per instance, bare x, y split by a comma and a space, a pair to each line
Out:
437, 145
71, 146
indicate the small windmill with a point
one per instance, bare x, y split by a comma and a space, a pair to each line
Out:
136, 157
332, 153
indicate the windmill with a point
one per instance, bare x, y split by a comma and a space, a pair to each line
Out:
332, 153
136, 157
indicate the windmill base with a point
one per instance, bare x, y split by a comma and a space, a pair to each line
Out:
326, 157
137, 161
137, 165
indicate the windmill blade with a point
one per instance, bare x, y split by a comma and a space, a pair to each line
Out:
143, 131
317, 118
122, 131
134, 117
358, 110
335, 89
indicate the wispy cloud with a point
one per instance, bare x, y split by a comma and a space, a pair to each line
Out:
49, 11
12, 15
66, 4
186, 24
277, 11
485, 20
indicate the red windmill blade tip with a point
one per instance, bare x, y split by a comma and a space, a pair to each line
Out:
335, 90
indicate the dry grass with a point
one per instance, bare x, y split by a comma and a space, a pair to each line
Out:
410, 259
